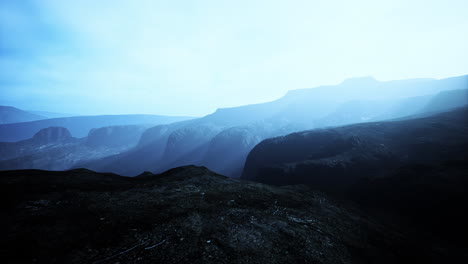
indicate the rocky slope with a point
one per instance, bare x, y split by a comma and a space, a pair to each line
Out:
340, 156
188, 215
411, 170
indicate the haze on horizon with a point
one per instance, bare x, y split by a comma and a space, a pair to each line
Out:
191, 57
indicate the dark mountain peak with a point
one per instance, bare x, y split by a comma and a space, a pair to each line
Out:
52, 135
180, 173
145, 174
189, 172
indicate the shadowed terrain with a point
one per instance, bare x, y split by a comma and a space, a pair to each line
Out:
187, 215
411, 171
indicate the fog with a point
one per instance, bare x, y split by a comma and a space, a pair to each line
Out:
192, 57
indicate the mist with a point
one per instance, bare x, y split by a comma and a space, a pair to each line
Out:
183, 58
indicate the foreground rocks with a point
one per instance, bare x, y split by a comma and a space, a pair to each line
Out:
187, 215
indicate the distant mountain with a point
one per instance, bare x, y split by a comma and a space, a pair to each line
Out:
79, 126
360, 111
115, 136
144, 157
222, 140
9, 115
446, 100
36, 144
199, 142
306, 105
407, 107
54, 148
52, 114
191, 215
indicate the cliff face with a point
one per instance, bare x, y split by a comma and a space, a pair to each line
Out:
115, 136
51, 135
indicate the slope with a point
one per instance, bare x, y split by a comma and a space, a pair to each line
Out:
186, 215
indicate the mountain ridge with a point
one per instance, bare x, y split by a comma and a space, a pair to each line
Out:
79, 126
250, 122
10, 114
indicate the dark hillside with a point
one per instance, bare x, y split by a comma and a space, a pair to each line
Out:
186, 215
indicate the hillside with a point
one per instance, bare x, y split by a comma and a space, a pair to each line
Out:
187, 215
411, 168
363, 150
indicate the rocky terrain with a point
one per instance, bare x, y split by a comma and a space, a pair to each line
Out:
339, 157
189, 215
410, 171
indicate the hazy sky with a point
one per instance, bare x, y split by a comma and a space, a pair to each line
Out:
191, 57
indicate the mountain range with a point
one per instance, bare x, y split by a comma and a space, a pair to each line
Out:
221, 141
79, 126
359, 172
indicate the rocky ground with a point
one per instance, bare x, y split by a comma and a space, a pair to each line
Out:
187, 215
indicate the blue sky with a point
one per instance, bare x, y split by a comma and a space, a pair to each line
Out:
191, 57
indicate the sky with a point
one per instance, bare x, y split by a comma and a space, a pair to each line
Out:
191, 57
